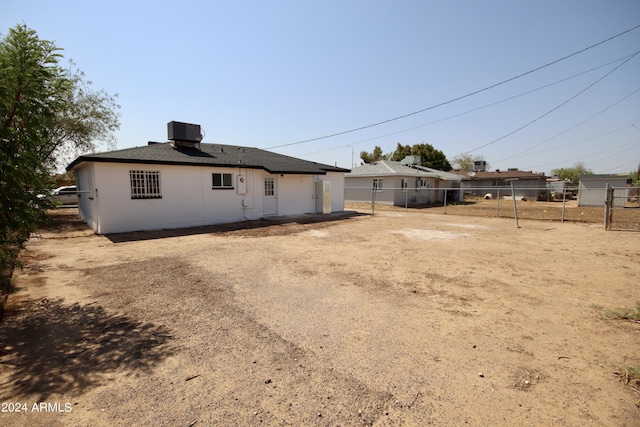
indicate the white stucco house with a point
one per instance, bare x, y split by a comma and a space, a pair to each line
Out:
400, 183
186, 183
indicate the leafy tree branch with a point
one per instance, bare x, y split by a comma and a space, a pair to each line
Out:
46, 110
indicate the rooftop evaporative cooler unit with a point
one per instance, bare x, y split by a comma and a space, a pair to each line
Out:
184, 132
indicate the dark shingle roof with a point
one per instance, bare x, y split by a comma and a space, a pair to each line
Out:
209, 155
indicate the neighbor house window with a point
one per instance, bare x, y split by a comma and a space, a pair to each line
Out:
222, 180
377, 184
404, 184
421, 183
145, 184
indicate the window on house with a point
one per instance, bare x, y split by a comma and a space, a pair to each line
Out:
222, 180
377, 184
145, 184
422, 183
269, 187
404, 184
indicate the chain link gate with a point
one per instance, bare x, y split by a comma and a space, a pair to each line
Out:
622, 209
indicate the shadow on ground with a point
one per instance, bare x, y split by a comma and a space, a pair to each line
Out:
236, 226
53, 348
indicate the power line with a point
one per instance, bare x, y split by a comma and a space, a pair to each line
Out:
607, 151
572, 127
475, 109
553, 109
612, 153
460, 97
624, 154
575, 142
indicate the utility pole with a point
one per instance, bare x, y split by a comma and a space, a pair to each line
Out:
352, 164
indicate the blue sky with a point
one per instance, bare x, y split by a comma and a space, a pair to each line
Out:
273, 73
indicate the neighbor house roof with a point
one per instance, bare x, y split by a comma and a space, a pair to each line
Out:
203, 154
605, 177
390, 168
498, 174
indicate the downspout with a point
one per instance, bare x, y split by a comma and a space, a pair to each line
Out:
244, 196
97, 203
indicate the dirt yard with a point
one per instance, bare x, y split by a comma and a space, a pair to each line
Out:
402, 318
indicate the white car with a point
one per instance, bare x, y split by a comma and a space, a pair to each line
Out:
65, 195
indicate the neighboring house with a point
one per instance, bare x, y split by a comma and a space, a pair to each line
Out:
592, 189
400, 183
185, 183
527, 185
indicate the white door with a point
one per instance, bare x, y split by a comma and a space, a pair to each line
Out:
270, 197
308, 194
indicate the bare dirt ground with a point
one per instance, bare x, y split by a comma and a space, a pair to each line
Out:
402, 318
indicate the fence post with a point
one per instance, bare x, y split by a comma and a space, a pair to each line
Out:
498, 204
406, 198
513, 197
607, 207
564, 201
445, 200
515, 208
373, 201
612, 204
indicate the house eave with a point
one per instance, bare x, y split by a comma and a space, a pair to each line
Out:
88, 159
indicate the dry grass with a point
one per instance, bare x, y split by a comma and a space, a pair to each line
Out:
632, 313
630, 375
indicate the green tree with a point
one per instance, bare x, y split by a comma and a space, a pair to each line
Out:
430, 157
572, 174
635, 176
466, 161
374, 156
45, 110
87, 119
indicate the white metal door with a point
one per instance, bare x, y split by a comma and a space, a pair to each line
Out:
270, 197
308, 195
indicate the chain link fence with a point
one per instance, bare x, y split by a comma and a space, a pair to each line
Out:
621, 209
536, 203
